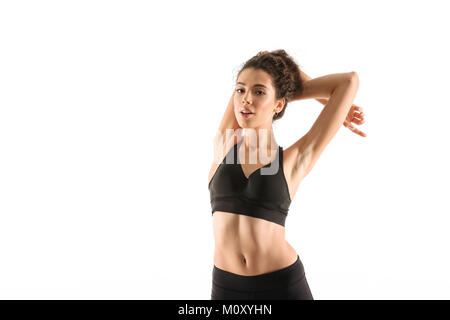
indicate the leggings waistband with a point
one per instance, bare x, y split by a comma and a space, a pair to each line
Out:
267, 281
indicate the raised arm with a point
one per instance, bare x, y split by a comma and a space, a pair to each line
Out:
355, 115
229, 119
321, 87
340, 89
298, 96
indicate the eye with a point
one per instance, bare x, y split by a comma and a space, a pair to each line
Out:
262, 92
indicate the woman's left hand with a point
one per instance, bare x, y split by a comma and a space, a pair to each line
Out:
355, 115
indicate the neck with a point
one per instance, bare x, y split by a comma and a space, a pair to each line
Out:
257, 138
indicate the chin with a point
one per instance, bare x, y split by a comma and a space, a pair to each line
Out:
244, 124
248, 127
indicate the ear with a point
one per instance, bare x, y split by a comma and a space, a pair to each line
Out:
280, 105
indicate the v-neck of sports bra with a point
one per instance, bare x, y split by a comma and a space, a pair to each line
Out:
237, 146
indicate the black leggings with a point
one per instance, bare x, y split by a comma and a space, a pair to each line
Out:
284, 284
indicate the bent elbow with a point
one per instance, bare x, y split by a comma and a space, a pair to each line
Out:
354, 76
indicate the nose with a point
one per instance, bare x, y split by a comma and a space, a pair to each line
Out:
245, 101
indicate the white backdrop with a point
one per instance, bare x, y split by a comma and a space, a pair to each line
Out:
107, 115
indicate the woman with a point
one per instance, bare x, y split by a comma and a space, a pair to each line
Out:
250, 198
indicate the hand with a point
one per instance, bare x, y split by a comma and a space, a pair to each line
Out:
355, 115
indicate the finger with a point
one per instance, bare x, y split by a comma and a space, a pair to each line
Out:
349, 126
358, 110
359, 114
357, 121
355, 130
355, 115
362, 134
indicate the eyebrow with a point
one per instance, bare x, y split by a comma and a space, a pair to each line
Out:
256, 85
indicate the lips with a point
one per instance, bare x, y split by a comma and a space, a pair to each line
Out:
246, 110
246, 115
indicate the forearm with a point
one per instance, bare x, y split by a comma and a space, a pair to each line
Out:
320, 88
305, 78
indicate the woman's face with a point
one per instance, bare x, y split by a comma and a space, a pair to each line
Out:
255, 92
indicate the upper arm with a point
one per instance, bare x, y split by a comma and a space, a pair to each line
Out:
311, 145
223, 138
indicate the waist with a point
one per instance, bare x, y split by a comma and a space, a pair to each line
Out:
249, 246
254, 263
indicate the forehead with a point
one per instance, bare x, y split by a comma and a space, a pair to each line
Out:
251, 77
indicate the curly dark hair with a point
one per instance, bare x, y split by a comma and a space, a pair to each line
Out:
284, 72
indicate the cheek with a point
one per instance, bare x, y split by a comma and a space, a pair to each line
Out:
266, 108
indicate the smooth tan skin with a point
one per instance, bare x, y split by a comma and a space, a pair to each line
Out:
245, 245
250, 246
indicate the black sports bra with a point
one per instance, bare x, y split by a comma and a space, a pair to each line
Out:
264, 194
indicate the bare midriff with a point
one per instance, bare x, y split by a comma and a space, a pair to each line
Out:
250, 246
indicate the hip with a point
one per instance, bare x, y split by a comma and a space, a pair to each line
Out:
286, 283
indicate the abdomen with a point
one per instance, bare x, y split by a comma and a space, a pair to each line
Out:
250, 246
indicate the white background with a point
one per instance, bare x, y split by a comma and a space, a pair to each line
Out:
107, 115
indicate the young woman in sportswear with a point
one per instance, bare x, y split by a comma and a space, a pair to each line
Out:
253, 180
